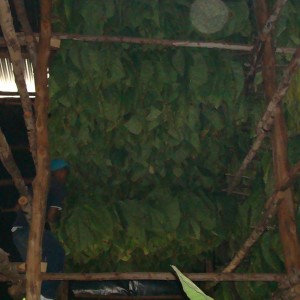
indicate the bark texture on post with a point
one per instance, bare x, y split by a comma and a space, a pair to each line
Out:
286, 213
30, 40
258, 46
14, 49
41, 182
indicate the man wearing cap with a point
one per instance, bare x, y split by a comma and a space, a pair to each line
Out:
52, 251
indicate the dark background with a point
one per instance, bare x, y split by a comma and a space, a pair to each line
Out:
12, 125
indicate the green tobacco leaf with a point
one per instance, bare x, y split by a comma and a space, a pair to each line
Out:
153, 114
191, 290
134, 125
147, 71
215, 119
173, 212
178, 61
116, 71
198, 71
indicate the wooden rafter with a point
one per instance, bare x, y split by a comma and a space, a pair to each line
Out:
267, 121
14, 48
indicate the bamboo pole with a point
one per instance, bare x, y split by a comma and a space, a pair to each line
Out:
14, 48
30, 40
258, 277
287, 210
267, 121
41, 182
154, 42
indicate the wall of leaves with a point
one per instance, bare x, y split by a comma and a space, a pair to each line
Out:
150, 133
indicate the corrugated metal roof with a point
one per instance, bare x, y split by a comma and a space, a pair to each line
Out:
7, 79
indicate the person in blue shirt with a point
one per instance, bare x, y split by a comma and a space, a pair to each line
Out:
52, 251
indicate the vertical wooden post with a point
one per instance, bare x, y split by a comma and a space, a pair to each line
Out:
286, 213
41, 182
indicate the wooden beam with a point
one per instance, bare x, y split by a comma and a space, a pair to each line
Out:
56, 37
41, 182
259, 277
287, 210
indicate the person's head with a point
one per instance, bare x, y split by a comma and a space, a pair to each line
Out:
59, 169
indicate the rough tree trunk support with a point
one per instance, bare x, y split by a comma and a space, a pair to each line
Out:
258, 46
286, 212
41, 182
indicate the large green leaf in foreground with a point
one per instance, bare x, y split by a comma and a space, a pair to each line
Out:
192, 291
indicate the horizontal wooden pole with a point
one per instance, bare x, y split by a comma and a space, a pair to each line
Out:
11, 94
267, 277
115, 297
163, 276
151, 41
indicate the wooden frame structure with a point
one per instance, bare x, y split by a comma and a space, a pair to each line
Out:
280, 202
